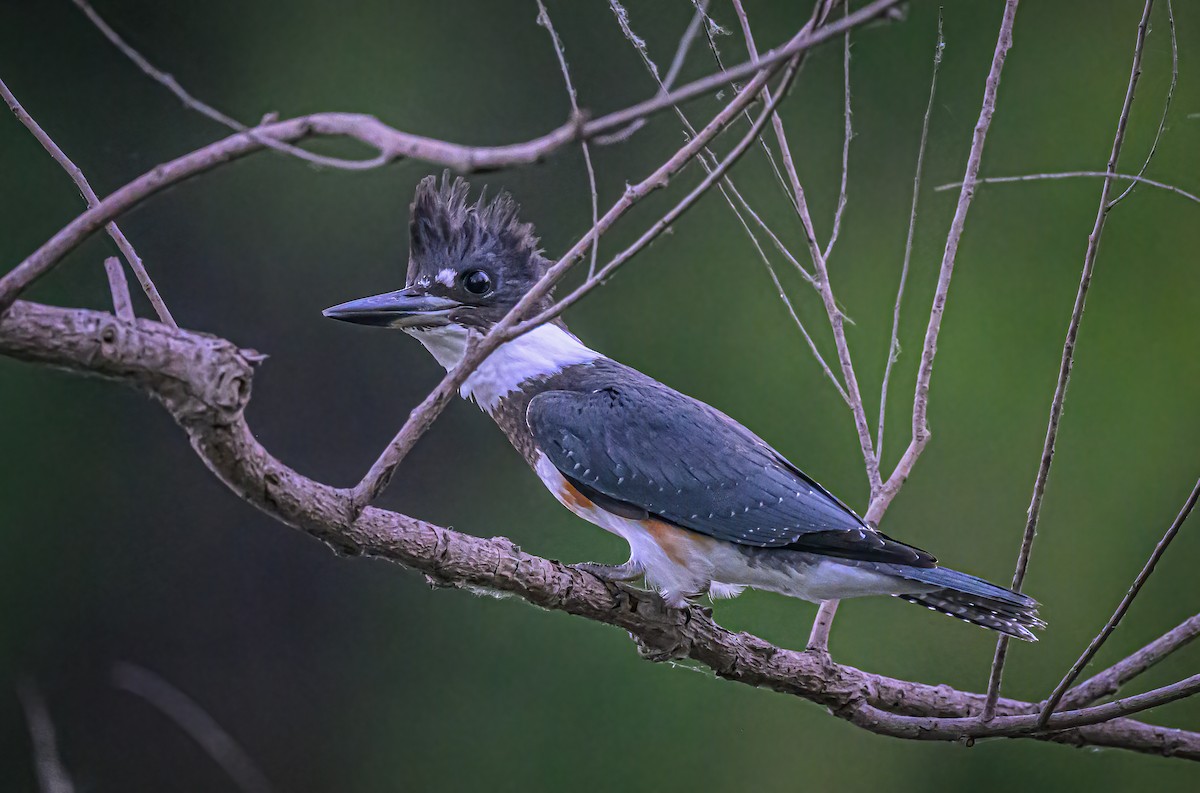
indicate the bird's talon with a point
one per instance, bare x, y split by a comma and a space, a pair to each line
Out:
612, 572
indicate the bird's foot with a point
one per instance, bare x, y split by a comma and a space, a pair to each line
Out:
630, 571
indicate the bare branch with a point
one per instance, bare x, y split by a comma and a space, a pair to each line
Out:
836, 318
205, 383
52, 775
818, 637
1068, 357
208, 111
927, 729
848, 135
677, 61
122, 304
730, 191
1162, 120
394, 144
202, 728
1122, 607
894, 346
920, 418
671, 216
89, 195
1109, 681
543, 19
1075, 175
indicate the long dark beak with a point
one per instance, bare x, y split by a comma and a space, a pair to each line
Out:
406, 308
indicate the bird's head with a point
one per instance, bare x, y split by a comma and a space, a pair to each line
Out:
468, 264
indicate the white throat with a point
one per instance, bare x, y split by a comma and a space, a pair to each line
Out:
543, 351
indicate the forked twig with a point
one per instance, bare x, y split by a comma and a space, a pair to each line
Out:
543, 19
1110, 680
920, 413
1094, 646
894, 345
89, 195
733, 197
1068, 358
1162, 119
848, 135
673, 71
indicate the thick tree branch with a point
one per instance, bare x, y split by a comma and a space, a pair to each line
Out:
205, 382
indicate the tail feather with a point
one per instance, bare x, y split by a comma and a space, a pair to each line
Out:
976, 601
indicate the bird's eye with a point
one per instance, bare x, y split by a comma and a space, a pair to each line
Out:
477, 282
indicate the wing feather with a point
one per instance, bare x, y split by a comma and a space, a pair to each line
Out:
654, 449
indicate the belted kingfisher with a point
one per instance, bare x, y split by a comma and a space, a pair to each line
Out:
706, 506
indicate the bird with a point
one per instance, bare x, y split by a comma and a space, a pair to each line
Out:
706, 506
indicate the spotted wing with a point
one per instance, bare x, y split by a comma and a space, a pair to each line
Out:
649, 447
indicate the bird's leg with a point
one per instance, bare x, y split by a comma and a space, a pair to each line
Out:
630, 571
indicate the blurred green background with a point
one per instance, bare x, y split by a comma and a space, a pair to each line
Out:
339, 674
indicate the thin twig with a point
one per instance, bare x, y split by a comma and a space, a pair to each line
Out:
1110, 680
672, 215
52, 775
819, 14
169, 82
1033, 177
122, 304
201, 727
730, 192
894, 346
1068, 358
673, 71
920, 416
848, 135
1122, 607
89, 195
819, 636
1162, 120
836, 318
543, 19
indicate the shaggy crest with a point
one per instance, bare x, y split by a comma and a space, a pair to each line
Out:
445, 230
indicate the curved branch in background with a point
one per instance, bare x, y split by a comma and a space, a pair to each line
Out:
208, 111
204, 382
1162, 119
1068, 357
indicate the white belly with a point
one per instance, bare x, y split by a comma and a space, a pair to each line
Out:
682, 564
